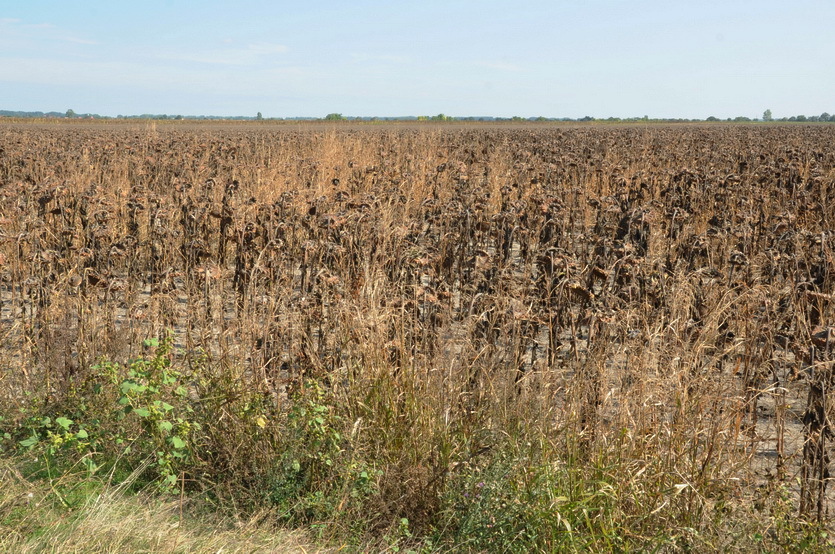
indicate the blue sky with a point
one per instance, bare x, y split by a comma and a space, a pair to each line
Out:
566, 58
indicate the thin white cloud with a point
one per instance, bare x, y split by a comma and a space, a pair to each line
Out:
152, 77
17, 30
501, 66
267, 48
389, 58
77, 40
250, 55
219, 57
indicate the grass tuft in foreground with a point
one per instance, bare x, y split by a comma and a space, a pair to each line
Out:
77, 514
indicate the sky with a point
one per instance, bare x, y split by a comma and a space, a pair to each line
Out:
552, 58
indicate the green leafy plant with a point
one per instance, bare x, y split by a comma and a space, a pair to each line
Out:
121, 416
320, 475
153, 393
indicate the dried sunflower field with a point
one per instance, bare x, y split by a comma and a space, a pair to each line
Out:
530, 337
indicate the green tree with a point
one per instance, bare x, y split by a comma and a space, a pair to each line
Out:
334, 117
70, 113
767, 116
259, 117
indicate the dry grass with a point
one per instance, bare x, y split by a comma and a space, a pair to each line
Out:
108, 519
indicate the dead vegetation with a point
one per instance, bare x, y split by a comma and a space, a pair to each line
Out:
647, 308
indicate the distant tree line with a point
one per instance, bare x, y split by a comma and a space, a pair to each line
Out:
767, 117
822, 117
